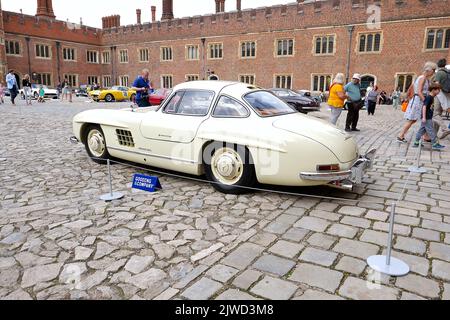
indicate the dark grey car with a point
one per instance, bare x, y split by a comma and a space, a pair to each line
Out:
300, 103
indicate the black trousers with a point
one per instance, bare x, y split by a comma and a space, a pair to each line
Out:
13, 93
371, 108
353, 115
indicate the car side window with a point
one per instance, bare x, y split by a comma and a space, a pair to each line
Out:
190, 103
230, 108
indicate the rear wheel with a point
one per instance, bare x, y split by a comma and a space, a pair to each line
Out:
95, 144
109, 98
229, 167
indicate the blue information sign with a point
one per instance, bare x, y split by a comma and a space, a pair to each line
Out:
146, 183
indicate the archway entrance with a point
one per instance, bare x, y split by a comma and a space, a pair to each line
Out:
367, 80
213, 77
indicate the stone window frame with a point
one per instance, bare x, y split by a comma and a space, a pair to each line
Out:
98, 56
50, 78
123, 76
425, 40
50, 53
209, 50
187, 46
127, 56
321, 75
92, 76
20, 54
294, 44
315, 36
77, 77
162, 80
240, 76
103, 60
187, 76
139, 52
75, 54
398, 74
240, 49
161, 51
103, 80
276, 75
358, 37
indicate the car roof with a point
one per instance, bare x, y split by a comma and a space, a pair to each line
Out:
213, 85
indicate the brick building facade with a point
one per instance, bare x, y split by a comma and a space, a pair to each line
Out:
300, 45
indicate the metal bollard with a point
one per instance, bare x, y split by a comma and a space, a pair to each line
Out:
387, 264
111, 195
417, 168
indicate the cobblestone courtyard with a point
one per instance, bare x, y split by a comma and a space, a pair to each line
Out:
59, 241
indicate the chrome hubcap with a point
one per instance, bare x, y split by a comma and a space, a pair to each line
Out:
227, 166
96, 143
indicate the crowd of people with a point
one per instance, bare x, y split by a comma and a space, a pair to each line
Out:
427, 100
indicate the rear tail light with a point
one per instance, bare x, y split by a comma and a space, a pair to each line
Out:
328, 168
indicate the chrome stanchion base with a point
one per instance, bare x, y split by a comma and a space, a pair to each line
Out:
397, 268
414, 169
111, 197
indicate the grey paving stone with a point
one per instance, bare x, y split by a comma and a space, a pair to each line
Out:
40, 274
235, 295
317, 256
331, 216
419, 285
356, 249
410, 245
425, 234
312, 223
322, 240
344, 231
356, 222
352, 211
281, 224
247, 279
202, 290
358, 289
221, 273
398, 228
274, 264
410, 296
351, 265
137, 264
243, 256
441, 270
315, 276
263, 238
274, 289
440, 251
317, 295
295, 234
417, 264
446, 294
286, 249
375, 237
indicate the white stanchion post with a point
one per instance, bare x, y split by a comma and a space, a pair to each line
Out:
111, 195
417, 168
388, 264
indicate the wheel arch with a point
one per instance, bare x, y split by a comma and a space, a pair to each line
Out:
209, 142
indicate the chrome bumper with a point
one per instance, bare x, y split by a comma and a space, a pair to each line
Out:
352, 176
74, 140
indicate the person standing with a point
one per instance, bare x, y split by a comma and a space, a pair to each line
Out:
26, 85
67, 90
372, 99
442, 100
59, 89
11, 83
396, 99
417, 94
142, 86
337, 98
427, 119
353, 91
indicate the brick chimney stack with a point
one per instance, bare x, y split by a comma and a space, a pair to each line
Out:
220, 6
238, 5
45, 9
111, 22
167, 10
138, 16
153, 13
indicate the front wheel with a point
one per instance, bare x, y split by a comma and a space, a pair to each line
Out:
229, 167
95, 144
109, 98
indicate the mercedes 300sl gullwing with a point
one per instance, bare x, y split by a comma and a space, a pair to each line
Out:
233, 133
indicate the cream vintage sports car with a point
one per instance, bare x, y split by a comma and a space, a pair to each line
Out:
236, 134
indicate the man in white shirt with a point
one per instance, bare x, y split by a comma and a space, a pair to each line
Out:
11, 83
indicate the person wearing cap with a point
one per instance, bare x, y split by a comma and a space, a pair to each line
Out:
353, 91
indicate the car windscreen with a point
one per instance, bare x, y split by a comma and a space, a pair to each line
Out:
267, 104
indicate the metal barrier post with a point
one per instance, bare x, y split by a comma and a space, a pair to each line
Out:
111, 195
417, 168
387, 264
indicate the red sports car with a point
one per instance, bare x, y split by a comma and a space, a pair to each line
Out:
158, 96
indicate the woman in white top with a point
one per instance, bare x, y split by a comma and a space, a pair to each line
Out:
414, 111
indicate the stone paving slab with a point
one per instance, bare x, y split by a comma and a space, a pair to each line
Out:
59, 241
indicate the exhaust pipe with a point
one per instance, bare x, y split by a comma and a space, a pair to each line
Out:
345, 185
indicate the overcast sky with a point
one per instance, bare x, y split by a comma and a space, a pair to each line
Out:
92, 10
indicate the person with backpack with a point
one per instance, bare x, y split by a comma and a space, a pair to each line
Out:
442, 101
416, 97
